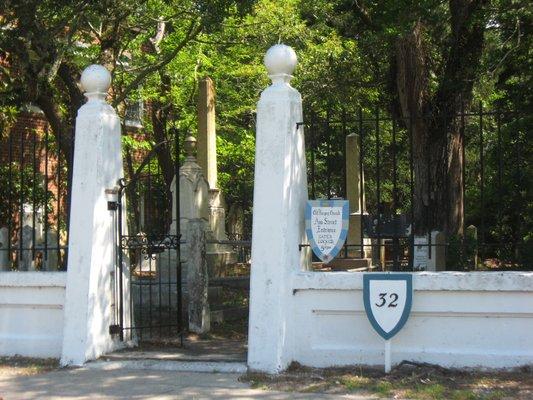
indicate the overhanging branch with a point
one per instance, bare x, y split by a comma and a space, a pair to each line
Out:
192, 32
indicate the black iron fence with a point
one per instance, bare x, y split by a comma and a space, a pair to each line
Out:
371, 158
241, 244
34, 201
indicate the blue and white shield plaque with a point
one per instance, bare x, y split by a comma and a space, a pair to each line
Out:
326, 225
387, 298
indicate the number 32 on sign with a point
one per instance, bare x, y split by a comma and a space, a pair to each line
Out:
387, 298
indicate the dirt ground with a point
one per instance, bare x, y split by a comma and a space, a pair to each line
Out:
26, 366
406, 381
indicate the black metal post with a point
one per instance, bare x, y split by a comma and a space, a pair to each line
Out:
21, 205
378, 185
482, 179
178, 233
395, 243
120, 261
10, 199
361, 183
412, 194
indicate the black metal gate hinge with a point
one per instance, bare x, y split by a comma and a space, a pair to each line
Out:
114, 329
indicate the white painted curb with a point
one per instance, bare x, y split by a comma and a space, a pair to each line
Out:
178, 366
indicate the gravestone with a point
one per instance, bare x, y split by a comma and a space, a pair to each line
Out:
218, 255
194, 205
52, 256
207, 140
26, 256
29, 216
4, 254
46, 252
236, 221
197, 278
32, 235
430, 256
471, 244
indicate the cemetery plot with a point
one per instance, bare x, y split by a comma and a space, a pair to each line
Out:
370, 159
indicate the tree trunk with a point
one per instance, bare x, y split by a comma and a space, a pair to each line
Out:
438, 174
437, 141
159, 115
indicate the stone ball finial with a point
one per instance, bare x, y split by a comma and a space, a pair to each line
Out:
280, 59
190, 146
95, 79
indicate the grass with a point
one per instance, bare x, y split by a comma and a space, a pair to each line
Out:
422, 382
352, 383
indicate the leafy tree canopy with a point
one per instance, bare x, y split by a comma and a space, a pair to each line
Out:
349, 56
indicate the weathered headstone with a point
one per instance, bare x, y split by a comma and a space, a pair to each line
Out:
54, 255
471, 244
437, 261
197, 279
193, 198
236, 221
193, 190
30, 216
421, 253
49, 251
4, 253
26, 256
430, 256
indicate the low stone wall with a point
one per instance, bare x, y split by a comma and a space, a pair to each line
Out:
475, 319
31, 313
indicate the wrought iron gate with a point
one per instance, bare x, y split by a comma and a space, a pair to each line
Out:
148, 253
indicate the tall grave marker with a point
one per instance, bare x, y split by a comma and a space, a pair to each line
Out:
218, 256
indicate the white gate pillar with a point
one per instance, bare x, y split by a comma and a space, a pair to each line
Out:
89, 303
280, 194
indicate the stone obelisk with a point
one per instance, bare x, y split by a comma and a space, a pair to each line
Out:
218, 256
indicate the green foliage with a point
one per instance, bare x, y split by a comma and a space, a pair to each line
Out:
21, 187
345, 54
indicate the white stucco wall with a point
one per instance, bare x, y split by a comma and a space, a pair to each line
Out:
31, 313
475, 319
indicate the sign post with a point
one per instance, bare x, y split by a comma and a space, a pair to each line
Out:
326, 225
387, 298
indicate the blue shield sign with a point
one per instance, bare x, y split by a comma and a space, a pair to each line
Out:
387, 298
326, 225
